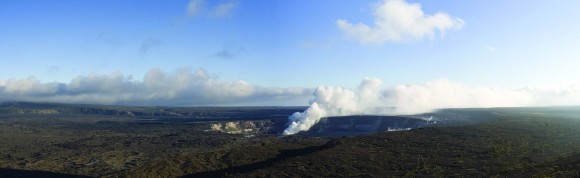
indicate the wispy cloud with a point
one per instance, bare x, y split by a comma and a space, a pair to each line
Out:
147, 45
110, 40
399, 21
229, 52
195, 7
225, 9
200, 7
312, 44
489, 48
52, 69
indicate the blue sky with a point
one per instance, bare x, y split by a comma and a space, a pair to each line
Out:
289, 44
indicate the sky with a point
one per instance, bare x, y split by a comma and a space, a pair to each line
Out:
245, 52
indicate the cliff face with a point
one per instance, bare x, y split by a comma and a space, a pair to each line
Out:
331, 126
54, 108
245, 127
152, 112
359, 125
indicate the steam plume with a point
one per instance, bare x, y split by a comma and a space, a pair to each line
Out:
371, 98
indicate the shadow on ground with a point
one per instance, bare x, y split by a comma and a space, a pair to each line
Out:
284, 154
14, 173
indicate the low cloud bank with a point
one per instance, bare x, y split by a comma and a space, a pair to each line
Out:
183, 87
372, 98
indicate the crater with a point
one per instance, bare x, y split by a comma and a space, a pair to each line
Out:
364, 124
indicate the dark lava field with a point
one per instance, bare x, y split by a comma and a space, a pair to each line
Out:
62, 140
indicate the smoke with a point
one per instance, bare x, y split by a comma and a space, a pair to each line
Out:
372, 98
182, 87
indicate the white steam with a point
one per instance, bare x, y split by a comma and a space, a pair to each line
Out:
371, 98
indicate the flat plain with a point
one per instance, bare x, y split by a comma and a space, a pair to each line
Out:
60, 140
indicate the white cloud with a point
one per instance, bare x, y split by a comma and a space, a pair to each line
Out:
182, 87
399, 21
29, 86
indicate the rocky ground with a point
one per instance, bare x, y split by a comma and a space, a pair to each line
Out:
500, 142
